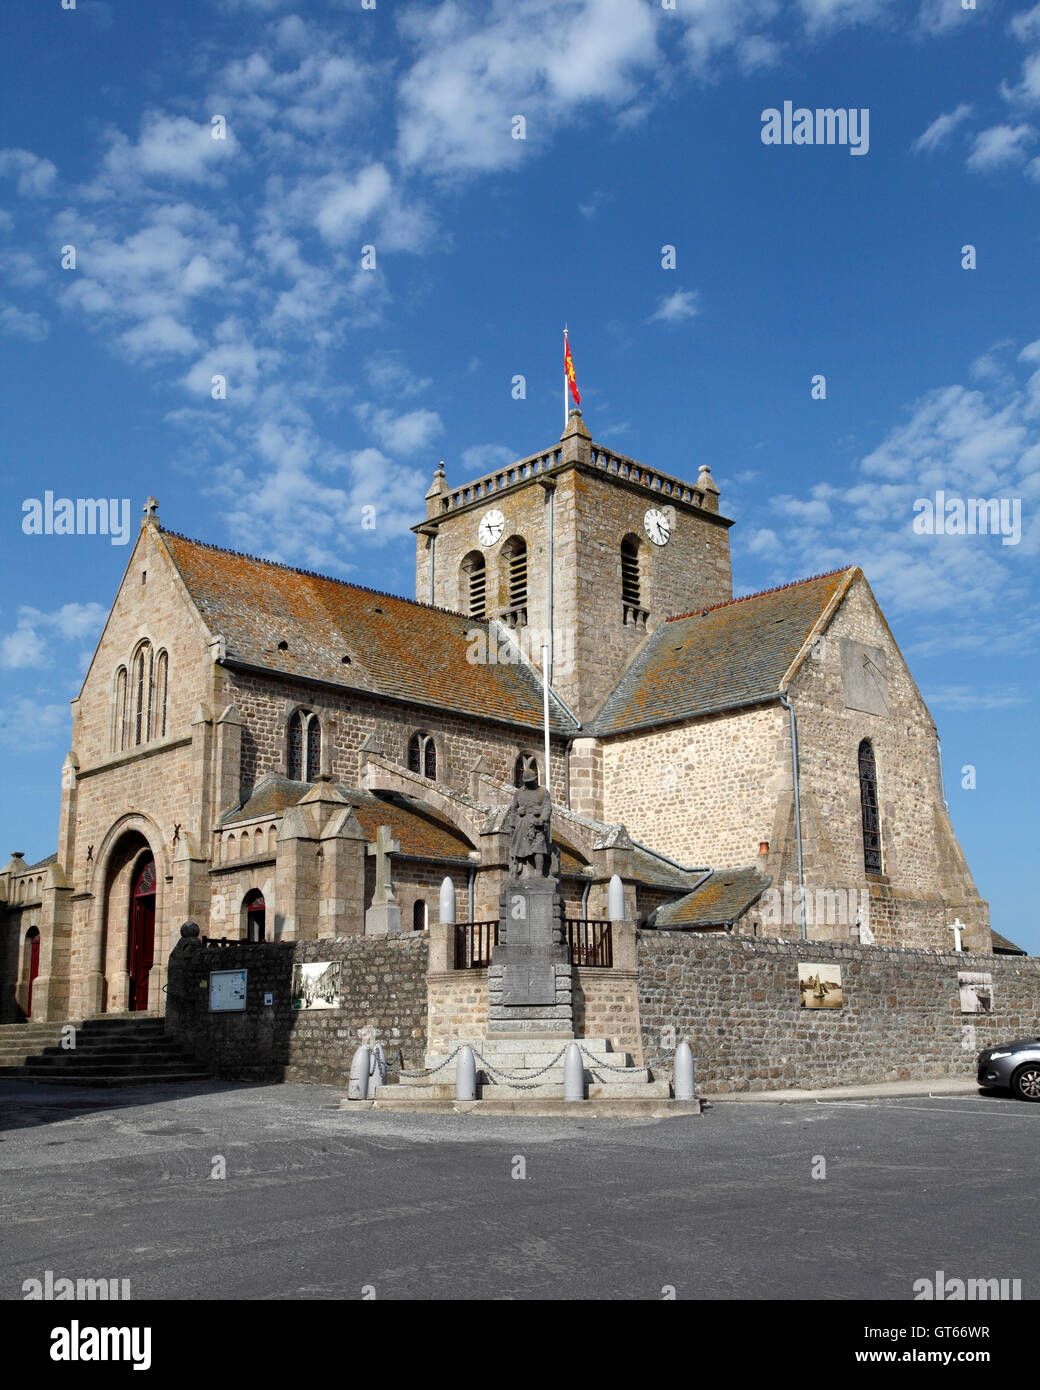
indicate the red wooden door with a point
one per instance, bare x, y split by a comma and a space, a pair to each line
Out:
34, 968
141, 955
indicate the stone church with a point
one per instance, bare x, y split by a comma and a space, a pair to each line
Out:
281, 756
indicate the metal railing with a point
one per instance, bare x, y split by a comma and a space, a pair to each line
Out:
591, 941
473, 944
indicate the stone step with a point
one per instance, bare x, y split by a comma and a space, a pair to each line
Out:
103, 1078
393, 1095
651, 1090
159, 1049
639, 1076
612, 1107
532, 1044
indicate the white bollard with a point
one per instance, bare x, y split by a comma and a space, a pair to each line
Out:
682, 1076
616, 899
357, 1086
573, 1073
465, 1075
446, 902
377, 1068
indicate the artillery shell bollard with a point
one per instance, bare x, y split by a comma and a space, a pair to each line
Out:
573, 1074
357, 1086
682, 1076
377, 1069
465, 1075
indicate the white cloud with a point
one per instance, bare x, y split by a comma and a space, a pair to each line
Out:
31, 644
1026, 26
387, 374
477, 69
344, 205
1000, 145
1027, 92
943, 16
967, 699
20, 323
27, 725
827, 14
35, 177
676, 307
406, 433
170, 148
941, 129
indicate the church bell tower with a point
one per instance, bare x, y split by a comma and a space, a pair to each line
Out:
580, 541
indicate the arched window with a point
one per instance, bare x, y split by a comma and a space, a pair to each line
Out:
141, 694
304, 736
868, 801
422, 755
633, 611
473, 585
119, 712
162, 672
418, 915
255, 911
514, 553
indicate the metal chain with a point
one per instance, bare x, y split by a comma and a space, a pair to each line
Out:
497, 1071
431, 1071
606, 1065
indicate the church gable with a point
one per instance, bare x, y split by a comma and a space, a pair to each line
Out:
150, 668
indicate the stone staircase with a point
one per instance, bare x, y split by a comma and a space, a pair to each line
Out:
536, 1073
110, 1051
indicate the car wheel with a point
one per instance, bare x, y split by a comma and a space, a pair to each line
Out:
1025, 1084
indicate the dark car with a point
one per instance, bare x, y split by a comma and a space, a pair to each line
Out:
1012, 1066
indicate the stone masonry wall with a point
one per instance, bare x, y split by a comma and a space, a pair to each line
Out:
736, 1001
703, 792
383, 987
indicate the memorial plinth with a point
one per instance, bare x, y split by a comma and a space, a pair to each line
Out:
529, 979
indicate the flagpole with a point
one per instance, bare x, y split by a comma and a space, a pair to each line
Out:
566, 416
545, 711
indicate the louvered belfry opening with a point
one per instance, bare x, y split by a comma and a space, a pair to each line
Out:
474, 570
632, 611
515, 556
868, 800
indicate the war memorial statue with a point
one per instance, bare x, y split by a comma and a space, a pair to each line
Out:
529, 980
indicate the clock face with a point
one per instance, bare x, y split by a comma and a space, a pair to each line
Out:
657, 526
492, 526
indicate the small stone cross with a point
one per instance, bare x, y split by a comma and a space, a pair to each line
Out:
151, 507
384, 846
957, 926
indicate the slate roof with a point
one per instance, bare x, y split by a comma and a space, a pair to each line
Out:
716, 658
1002, 946
718, 902
395, 647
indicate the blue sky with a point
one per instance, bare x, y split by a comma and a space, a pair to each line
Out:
391, 127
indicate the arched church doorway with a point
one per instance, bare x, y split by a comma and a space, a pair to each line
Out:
32, 950
141, 945
256, 916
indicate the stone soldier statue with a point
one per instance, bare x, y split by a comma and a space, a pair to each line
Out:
528, 821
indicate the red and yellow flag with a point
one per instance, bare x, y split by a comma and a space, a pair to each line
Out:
568, 370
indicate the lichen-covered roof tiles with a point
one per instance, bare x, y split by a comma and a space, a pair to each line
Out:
418, 829
307, 626
718, 902
717, 658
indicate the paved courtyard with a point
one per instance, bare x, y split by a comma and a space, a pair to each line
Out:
319, 1203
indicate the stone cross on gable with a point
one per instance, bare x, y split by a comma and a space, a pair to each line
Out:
384, 846
957, 926
151, 507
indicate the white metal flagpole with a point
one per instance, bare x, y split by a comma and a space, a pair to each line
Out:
545, 710
566, 416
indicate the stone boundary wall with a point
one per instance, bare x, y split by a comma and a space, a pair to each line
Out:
736, 1001
383, 987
